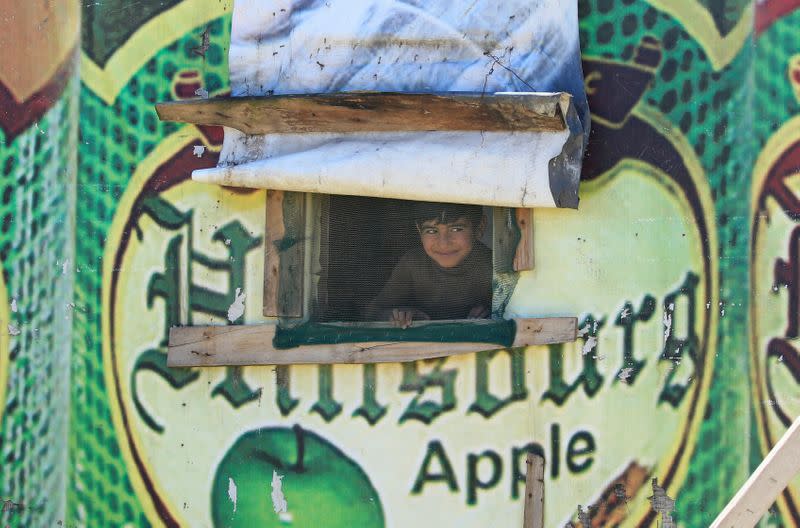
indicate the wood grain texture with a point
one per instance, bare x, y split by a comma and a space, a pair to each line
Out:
372, 112
284, 254
252, 345
545, 331
505, 238
769, 479
534, 492
273, 232
523, 257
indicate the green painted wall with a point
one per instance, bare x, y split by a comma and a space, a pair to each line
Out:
686, 229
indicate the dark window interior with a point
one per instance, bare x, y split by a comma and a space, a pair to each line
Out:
364, 240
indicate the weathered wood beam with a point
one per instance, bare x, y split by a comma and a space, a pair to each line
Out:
372, 112
284, 254
534, 492
523, 257
195, 346
505, 239
766, 483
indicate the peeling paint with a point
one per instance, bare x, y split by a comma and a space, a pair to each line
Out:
232, 492
198, 150
202, 49
278, 500
583, 517
236, 309
65, 267
13, 330
663, 504
625, 373
202, 93
589, 345
14, 307
621, 493
668, 321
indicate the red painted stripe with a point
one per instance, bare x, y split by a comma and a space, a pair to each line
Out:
769, 11
16, 116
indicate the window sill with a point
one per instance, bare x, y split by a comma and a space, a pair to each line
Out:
326, 343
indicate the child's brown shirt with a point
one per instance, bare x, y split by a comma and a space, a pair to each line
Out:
442, 293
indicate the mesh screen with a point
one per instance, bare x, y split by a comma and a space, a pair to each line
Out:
382, 257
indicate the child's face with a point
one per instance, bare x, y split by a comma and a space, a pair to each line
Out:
448, 244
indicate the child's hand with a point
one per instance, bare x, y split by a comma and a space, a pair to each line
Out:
402, 317
478, 312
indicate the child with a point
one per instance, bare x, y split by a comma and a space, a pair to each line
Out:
448, 276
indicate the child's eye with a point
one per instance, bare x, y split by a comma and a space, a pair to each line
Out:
456, 229
430, 231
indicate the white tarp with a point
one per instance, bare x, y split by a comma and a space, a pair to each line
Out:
307, 46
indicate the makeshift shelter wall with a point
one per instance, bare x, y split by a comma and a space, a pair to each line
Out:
669, 206
661, 201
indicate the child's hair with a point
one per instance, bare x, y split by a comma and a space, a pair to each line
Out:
446, 213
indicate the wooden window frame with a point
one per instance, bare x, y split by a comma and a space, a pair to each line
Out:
296, 254
296, 230
294, 234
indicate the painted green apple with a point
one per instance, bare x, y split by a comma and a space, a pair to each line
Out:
320, 484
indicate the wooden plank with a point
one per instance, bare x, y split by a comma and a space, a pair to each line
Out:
545, 331
523, 258
769, 479
252, 345
505, 238
534, 492
284, 254
372, 112
319, 254
273, 232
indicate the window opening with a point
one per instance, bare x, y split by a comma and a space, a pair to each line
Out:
378, 257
